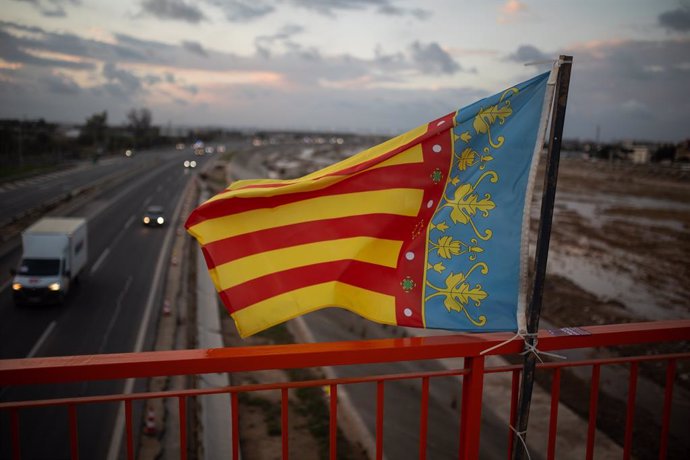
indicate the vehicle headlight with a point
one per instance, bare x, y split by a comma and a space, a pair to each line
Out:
54, 287
186, 163
192, 164
160, 221
147, 219
17, 286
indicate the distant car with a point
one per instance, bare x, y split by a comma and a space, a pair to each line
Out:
154, 216
189, 164
179, 146
129, 153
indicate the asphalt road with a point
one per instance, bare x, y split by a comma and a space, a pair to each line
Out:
104, 313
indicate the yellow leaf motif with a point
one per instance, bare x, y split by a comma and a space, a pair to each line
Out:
447, 247
466, 203
443, 226
458, 293
467, 158
466, 136
488, 116
461, 294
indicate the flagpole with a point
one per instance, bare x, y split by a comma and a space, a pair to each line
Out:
542, 250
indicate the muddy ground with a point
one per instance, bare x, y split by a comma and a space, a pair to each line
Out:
620, 252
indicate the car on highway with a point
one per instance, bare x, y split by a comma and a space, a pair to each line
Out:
154, 216
129, 153
189, 163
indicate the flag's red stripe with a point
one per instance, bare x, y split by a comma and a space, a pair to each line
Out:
405, 175
360, 274
386, 226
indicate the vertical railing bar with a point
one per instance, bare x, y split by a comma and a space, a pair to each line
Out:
668, 399
74, 434
630, 414
515, 390
471, 411
553, 420
129, 429
235, 426
16, 443
379, 420
424, 418
182, 408
284, 421
333, 423
593, 404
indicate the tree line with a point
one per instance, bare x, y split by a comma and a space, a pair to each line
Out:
30, 144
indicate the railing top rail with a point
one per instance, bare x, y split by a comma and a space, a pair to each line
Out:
184, 362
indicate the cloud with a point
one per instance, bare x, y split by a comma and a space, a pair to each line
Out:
677, 20
248, 10
128, 82
633, 89
432, 59
61, 84
29, 51
417, 13
194, 47
636, 109
243, 10
68, 45
52, 8
511, 11
176, 10
266, 45
330, 7
191, 89
528, 53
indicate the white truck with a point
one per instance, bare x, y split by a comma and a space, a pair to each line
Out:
54, 252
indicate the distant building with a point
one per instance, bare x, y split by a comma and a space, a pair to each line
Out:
683, 151
640, 154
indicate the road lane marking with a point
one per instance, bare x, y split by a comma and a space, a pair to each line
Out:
6, 285
100, 260
116, 439
115, 315
42, 339
129, 222
147, 201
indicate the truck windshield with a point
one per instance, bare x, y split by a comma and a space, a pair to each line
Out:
40, 267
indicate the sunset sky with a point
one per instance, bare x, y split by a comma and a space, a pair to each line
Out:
381, 66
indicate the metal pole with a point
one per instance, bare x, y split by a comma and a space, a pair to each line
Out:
542, 250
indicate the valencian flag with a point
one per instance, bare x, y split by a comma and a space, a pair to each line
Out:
428, 229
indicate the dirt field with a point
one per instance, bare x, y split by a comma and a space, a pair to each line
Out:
620, 252
624, 237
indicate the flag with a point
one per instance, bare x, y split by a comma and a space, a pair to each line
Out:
428, 229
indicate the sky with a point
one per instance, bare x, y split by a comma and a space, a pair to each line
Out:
370, 66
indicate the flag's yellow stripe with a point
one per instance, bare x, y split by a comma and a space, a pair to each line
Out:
412, 155
371, 153
398, 201
362, 248
262, 315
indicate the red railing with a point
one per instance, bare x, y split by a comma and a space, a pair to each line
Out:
191, 362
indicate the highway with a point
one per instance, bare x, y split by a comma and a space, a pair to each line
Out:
108, 309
